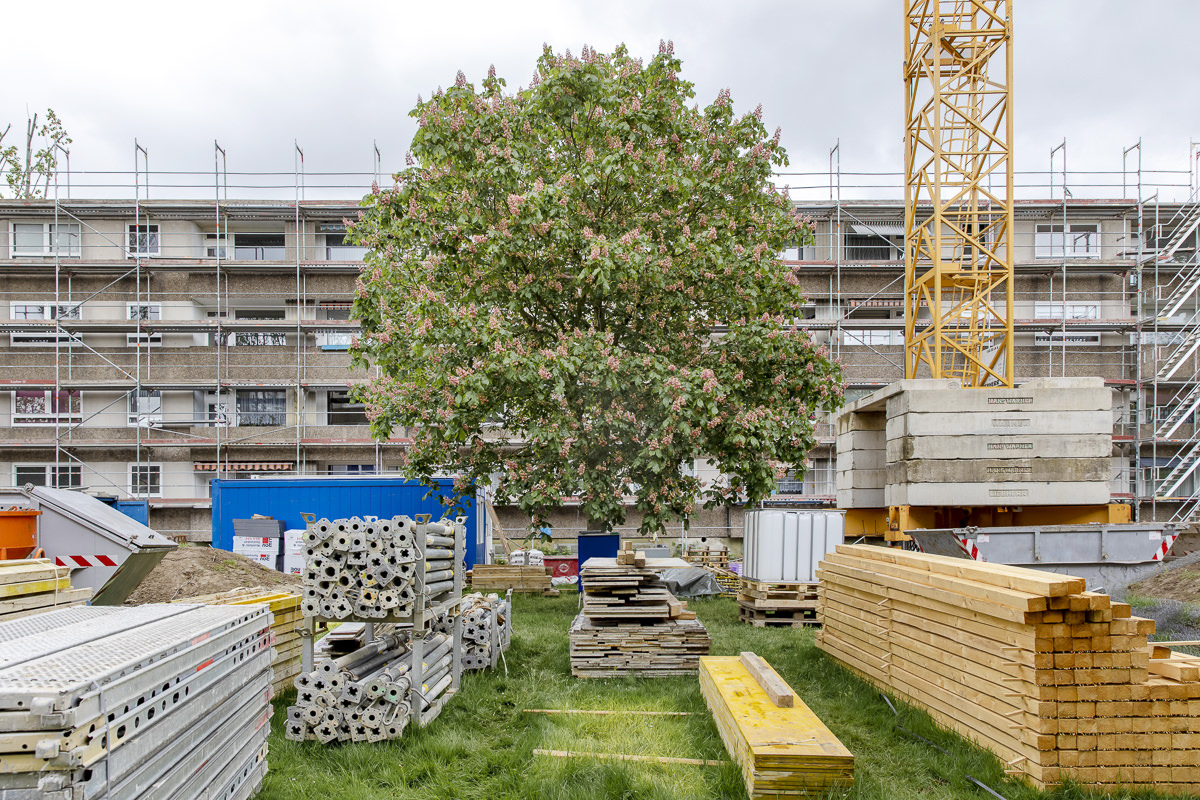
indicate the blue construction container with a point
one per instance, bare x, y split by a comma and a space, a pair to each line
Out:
134, 509
331, 498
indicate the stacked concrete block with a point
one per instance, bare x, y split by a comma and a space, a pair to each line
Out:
1047, 442
861, 459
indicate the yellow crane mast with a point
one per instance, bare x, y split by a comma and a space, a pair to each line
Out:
958, 174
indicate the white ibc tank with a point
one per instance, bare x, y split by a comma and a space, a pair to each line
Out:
784, 545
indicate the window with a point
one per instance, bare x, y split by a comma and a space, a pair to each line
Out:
216, 245
258, 247
351, 469
870, 247
46, 407
42, 335
256, 338
145, 408
343, 410
66, 476
1076, 239
45, 239
336, 249
1048, 310
334, 340
143, 240
144, 312
145, 480
256, 407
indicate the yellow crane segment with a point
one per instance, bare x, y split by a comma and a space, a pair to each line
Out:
958, 186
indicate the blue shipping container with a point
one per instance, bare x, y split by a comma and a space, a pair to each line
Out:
332, 498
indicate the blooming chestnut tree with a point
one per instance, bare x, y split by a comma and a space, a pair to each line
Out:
575, 289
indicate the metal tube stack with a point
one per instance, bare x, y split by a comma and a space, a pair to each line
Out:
365, 695
487, 629
109, 703
373, 680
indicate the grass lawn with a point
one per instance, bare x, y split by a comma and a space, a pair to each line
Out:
482, 744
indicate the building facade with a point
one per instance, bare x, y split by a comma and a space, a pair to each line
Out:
150, 346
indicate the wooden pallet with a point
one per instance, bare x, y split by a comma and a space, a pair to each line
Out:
1057, 681
707, 558
777, 618
783, 749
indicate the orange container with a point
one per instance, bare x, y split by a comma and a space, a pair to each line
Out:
18, 532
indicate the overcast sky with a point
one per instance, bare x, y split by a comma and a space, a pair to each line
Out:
258, 74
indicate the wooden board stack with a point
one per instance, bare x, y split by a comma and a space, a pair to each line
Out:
784, 750
1057, 681
779, 604
502, 577
631, 625
285, 624
36, 585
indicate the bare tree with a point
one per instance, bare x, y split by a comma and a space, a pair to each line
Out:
28, 173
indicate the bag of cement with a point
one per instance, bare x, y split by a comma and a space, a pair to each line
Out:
690, 582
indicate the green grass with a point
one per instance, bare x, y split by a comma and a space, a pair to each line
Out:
482, 744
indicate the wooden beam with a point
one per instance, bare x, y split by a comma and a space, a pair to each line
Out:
600, 712
698, 762
780, 693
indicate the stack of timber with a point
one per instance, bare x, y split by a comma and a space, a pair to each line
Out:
153, 701
285, 624
36, 585
362, 691
762, 603
1057, 681
783, 749
631, 625
487, 629
519, 578
730, 581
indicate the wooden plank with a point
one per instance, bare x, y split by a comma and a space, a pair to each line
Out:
607, 712
699, 762
780, 693
1047, 584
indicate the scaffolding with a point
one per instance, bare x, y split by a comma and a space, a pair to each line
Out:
159, 316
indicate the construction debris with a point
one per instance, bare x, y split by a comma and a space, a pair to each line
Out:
285, 624
503, 577
355, 568
1057, 681
631, 625
487, 629
34, 586
784, 750
153, 701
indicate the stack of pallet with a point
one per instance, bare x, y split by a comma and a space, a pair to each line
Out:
502, 577
762, 603
783, 749
1057, 681
285, 624
631, 625
705, 556
149, 701
33, 586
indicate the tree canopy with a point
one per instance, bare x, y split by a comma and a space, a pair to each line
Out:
576, 289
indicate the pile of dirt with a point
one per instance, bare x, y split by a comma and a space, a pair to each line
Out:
193, 570
1181, 583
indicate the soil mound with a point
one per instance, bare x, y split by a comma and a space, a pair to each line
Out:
192, 570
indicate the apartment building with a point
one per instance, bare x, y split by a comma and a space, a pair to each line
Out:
149, 346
